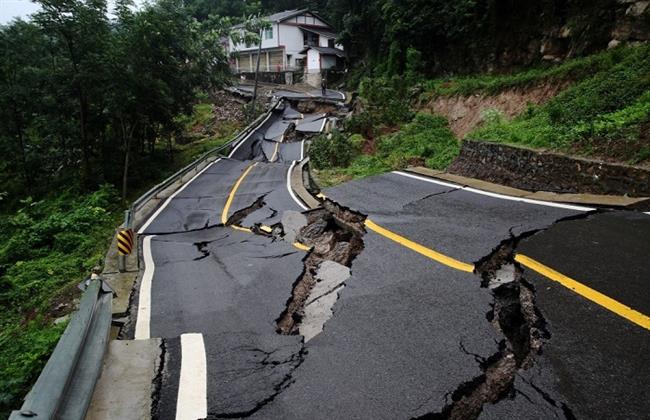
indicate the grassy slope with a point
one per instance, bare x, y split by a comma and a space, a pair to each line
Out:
426, 140
604, 114
49, 246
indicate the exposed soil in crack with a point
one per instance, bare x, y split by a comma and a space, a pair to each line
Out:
313, 106
515, 314
291, 135
335, 233
157, 382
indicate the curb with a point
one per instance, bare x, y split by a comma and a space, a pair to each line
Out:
585, 199
298, 184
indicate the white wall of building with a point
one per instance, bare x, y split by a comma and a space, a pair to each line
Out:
292, 39
313, 61
322, 41
266, 43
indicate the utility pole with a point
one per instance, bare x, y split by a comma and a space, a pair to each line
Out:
257, 73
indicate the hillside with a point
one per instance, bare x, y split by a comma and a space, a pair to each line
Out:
596, 106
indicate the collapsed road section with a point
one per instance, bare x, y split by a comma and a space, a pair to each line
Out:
400, 297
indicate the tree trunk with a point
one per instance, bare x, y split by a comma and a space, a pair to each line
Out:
127, 139
83, 111
27, 176
257, 73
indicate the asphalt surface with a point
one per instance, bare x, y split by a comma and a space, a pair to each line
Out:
407, 331
600, 361
227, 284
461, 224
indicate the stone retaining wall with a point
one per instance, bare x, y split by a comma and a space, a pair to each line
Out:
534, 170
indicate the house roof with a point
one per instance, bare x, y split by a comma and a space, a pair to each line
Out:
326, 51
287, 14
318, 31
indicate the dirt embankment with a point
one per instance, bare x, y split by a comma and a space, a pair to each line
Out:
465, 113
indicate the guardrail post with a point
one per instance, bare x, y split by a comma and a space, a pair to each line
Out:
121, 259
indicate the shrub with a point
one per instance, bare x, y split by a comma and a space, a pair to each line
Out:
427, 138
49, 246
387, 99
336, 151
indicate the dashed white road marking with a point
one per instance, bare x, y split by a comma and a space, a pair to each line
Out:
322, 127
291, 193
142, 331
192, 402
171, 197
495, 195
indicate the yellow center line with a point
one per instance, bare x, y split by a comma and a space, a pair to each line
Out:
240, 228
420, 249
301, 246
275, 152
586, 292
231, 196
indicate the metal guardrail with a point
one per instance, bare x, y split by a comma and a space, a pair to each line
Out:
131, 213
153, 192
66, 384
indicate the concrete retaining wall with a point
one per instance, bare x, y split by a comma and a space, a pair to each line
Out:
280, 78
530, 169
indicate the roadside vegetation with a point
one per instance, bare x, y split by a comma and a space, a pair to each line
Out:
605, 114
579, 68
51, 244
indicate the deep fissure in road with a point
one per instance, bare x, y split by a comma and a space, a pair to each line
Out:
335, 234
515, 315
237, 217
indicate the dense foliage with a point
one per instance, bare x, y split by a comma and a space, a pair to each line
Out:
92, 104
604, 114
385, 37
50, 244
424, 141
87, 98
47, 247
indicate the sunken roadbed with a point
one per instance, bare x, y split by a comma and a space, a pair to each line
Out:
400, 297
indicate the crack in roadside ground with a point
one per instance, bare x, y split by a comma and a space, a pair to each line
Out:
514, 314
157, 382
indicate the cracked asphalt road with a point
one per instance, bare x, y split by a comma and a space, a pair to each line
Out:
409, 337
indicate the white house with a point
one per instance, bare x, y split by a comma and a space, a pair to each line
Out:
296, 40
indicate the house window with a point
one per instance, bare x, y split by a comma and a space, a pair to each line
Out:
268, 33
330, 43
309, 39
